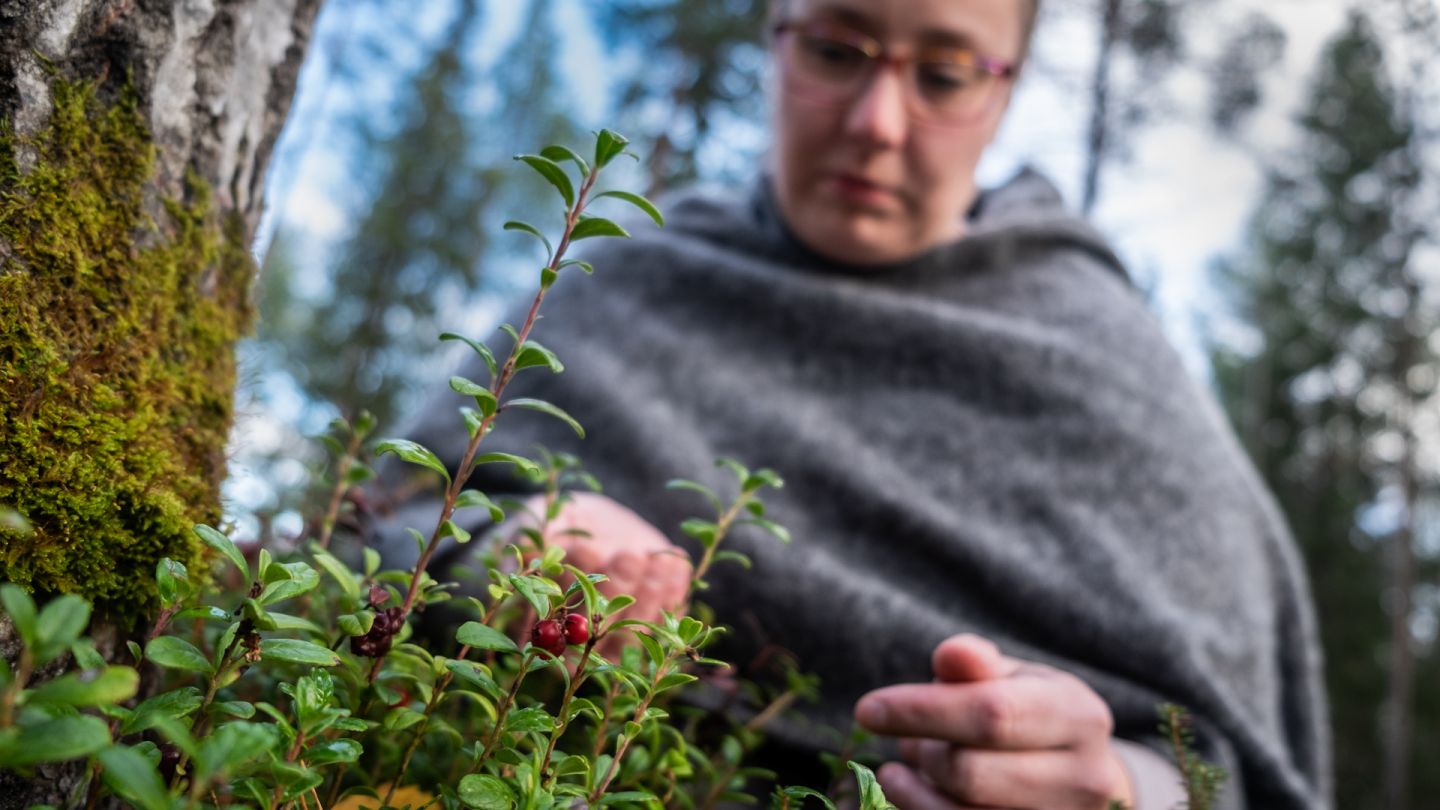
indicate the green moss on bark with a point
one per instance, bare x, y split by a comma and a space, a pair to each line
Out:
116, 356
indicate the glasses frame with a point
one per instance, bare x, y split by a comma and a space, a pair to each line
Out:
880, 57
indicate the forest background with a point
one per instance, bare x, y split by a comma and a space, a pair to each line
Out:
1270, 172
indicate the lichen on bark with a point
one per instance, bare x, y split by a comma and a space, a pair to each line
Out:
116, 355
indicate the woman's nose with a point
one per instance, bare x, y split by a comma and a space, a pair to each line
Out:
878, 115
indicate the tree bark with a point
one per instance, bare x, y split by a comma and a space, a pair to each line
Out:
208, 84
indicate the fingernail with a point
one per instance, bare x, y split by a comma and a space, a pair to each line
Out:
872, 712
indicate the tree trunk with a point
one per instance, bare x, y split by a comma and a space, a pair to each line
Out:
133, 150
1096, 141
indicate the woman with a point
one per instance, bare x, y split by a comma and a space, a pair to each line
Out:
1019, 526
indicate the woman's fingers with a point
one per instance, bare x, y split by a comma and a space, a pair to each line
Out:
1027, 779
907, 789
968, 657
1050, 710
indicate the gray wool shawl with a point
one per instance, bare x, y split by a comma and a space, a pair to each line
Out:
994, 437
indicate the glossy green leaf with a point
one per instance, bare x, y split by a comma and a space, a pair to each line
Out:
108, 686
524, 465
559, 153
553, 174
58, 626
54, 740
549, 409
485, 792
133, 777
172, 705
596, 226
480, 349
297, 651
526, 227
413, 453
339, 572
479, 636
475, 498
639, 202
170, 579
223, 544
608, 145
177, 653
21, 610
871, 796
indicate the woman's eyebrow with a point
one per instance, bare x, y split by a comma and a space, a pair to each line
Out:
860, 21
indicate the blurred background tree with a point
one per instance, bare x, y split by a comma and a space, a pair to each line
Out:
1321, 314
1336, 393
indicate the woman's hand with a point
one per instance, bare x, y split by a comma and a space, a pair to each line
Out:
994, 731
638, 559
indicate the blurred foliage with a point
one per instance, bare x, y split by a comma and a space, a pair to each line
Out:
1329, 283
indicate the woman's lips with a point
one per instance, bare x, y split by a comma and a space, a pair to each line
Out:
856, 189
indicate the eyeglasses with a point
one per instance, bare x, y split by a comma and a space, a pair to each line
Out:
832, 65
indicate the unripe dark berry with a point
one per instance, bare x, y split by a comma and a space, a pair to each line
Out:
548, 636
577, 628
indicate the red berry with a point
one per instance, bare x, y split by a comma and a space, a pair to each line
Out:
577, 628
548, 636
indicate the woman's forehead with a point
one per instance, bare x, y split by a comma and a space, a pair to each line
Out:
988, 24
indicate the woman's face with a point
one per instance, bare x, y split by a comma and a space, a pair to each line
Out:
861, 181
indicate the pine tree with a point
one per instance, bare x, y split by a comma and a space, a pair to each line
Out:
1326, 400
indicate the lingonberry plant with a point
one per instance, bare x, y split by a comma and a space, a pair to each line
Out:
299, 681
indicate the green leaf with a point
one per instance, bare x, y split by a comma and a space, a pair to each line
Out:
401, 718
60, 623
652, 648
356, 624
108, 686
546, 408
558, 153
619, 603
450, 529
358, 474
871, 796
479, 636
177, 653
531, 719
627, 797
52, 741
702, 530
692, 486
797, 795
782, 533
480, 349
413, 453
553, 173
284, 621
476, 674
673, 680
485, 792
736, 557
593, 600
473, 420
222, 544
580, 263
242, 709
21, 609
473, 497
339, 571
209, 613
526, 227
530, 589
533, 354
169, 575
608, 145
133, 777
297, 651
232, 745
483, 398
301, 578
596, 226
639, 202
172, 705
525, 465
333, 751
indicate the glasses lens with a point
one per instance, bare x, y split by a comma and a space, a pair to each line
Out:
951, 90
823, 67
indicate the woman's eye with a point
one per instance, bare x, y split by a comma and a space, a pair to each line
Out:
942, 78
834, 51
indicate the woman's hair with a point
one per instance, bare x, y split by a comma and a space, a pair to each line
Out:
1027, 31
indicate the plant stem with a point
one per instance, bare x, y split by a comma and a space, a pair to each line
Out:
610, 772
342, 469
559, 731
722, 528
17, 683
502, 379
501, 711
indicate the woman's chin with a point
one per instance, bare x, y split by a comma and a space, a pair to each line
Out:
859, 241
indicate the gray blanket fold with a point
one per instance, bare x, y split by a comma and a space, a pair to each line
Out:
995, 437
